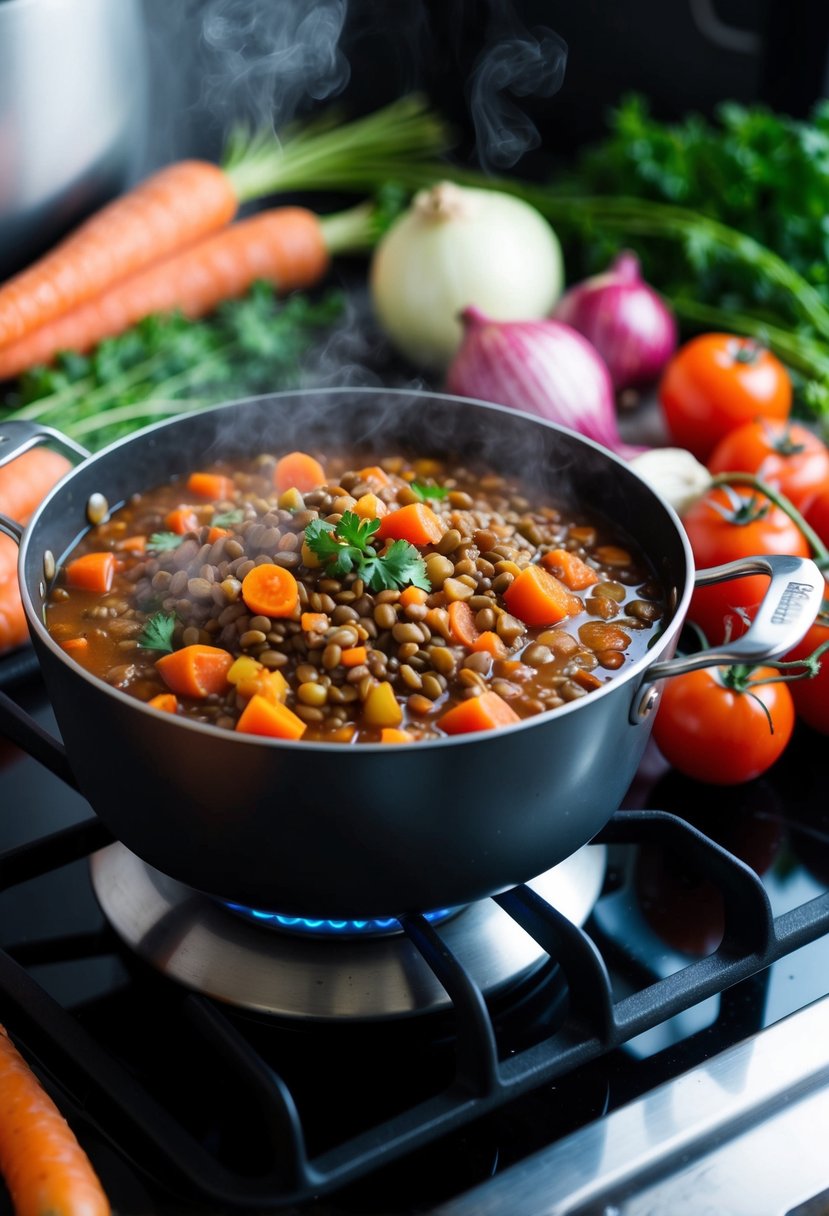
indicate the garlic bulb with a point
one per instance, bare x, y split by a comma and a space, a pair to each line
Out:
674, 474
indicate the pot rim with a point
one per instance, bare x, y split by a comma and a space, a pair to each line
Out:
631, 674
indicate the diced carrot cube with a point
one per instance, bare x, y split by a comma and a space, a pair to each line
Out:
369, 506
485, 712
353, 656
314, 622
391, 734
271, 719
92, 572
165, 701
415, 523
215, 534
211, 485
413, 595
181, 520
373, 472
537, 597
569, 567
491, 643
195, 671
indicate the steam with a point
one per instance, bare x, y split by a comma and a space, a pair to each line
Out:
521, 62
265, 62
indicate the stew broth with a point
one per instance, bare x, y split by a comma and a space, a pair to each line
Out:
523, 606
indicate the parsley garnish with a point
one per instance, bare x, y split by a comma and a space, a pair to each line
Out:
226, 518
157, 634
347, 547
159, 542
423, 491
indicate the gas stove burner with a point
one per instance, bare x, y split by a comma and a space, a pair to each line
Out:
200, 943
305, 926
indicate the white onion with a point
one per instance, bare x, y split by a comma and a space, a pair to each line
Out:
628, 322
541, 367
454, 247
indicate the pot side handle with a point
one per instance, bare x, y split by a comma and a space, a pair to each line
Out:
786, 612
18, 435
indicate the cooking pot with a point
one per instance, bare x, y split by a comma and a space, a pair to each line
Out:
323, 829
73, 104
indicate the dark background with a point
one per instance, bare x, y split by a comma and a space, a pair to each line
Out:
212, 61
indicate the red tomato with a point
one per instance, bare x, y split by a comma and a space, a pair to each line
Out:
723, 735
811, 695
816, 512
727, 523
789, 457
716, 382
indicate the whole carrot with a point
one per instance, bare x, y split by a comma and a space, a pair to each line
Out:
183, 202
44, 1166
172, 208
287, 246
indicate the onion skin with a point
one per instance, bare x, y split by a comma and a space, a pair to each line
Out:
541, 367
629, 323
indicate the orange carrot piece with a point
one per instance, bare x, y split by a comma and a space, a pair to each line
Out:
314, 622
166, 701
415, 523
26, 480
373, 472
484, 712
211, 485
176, 206
412, 595
270, 590
270, 718
369, 506
195, 671
586, 679
491, 643
74, 645
181, 520
92, 572
392, 734
537, 597
353, 656
44, 1166
570, 569
132, 544
298, 470
216, 534
462, 623
285, 246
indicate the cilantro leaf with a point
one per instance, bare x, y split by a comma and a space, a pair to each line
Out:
225, 518
157, 634
403, 562
160, 542
424, 492
347, 547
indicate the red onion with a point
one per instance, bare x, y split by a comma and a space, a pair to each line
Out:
542, 367
628, 322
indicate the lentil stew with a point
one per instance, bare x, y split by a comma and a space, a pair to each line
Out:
353, 599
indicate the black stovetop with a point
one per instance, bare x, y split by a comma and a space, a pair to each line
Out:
173, 1094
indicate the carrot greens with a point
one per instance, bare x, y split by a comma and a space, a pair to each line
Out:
168, 365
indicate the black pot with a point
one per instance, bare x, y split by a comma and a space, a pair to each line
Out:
316, 829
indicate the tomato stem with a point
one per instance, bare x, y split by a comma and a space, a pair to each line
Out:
821, 553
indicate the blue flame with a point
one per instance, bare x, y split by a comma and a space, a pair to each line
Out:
308, 926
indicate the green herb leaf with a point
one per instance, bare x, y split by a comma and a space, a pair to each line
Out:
424, 492
225, 518
161, 542
347, 547
157, 634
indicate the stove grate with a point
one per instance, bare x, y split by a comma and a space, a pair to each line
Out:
596, 1023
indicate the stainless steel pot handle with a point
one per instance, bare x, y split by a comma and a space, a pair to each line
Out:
19, 435
788, 609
